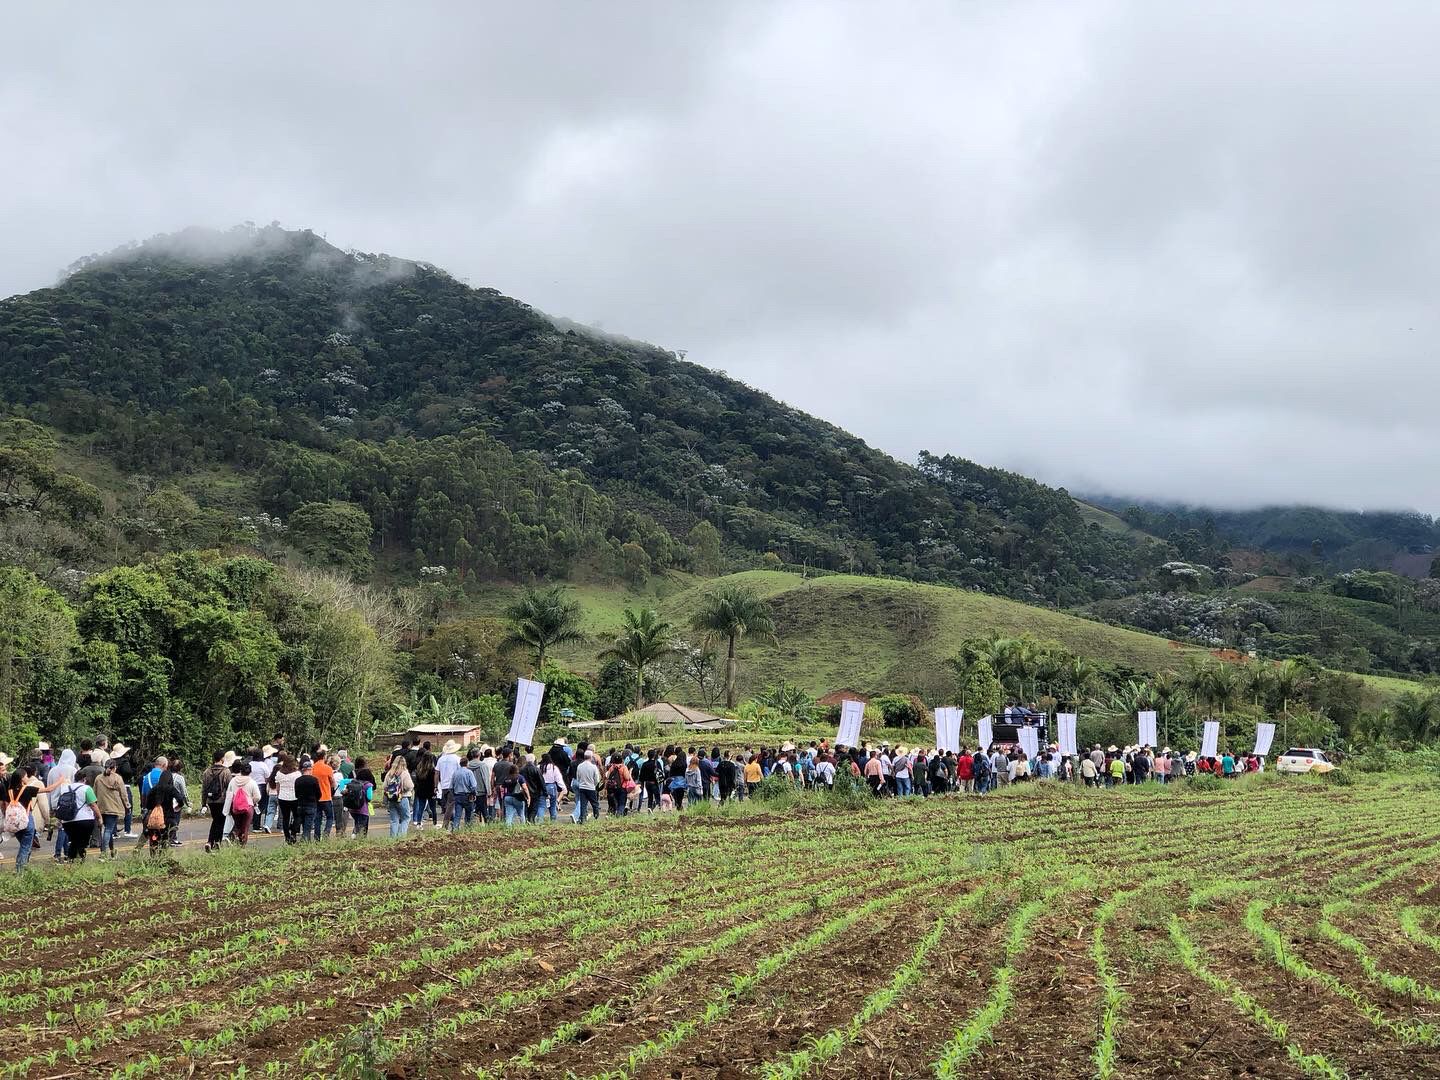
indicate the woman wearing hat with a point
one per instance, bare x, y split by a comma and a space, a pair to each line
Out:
112, 796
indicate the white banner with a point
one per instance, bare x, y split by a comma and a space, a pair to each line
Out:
528, 695
851, 714
957, 717
985, 731
1209, 745
1264, 736
1065, 721
1148, 736
942, 728
1030, 742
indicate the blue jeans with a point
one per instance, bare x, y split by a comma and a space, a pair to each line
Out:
904, 786
26, 840
325, 819
309, 822
129, 813
552, 798
514, 810
421, 804
399, 816
107, 833
587, 799
461, 804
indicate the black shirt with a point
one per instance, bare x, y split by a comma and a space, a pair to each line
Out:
307, 790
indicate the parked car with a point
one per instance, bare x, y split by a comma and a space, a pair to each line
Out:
1303, 759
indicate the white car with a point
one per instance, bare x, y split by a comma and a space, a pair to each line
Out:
1303, 759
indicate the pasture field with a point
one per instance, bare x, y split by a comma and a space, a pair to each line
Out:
1272, 928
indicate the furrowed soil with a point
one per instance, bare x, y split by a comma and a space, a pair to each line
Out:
627, 948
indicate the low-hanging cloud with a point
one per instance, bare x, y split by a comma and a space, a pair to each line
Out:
1174, 251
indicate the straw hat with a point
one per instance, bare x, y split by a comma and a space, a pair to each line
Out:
42, 745
561, 742
228, 759
119, 750
1113, 748
5, 759
450, 747
267, 750
322, 749
787, 748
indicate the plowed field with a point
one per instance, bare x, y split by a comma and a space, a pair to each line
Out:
1275, 929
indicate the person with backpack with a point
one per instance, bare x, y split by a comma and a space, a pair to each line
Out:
73, 803
399, 791
19, 818
214, 782
242, 800
358, 805
111, 796
159, 803
980, 770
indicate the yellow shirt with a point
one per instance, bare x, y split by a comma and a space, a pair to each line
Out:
753, 775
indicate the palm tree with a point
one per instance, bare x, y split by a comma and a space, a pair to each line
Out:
643, 639
1256, 680
1080, 676
541, 619
733, 612
1412, 717
1224, 685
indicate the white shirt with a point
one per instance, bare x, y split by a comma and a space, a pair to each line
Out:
587, 776
285, 785
826, 772
445, 770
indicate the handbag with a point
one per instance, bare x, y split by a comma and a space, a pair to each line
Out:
155, 819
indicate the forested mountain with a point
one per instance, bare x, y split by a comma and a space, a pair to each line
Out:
1314, 536
476, 433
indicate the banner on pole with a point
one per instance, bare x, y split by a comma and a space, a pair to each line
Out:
1148, 734
947, 728
985, 731
957, 717
851, 714
1209, 745
1030, 742
528, 695
1065, 721
1264, 736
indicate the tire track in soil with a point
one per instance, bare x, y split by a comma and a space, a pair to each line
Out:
808, 998
906, 1040
1051, 1028
1318, 1019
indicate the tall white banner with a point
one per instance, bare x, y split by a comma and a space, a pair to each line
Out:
1209, 745
528, 695
851, 714
985, 731
942, 728
1030, 742
1148, 735
957, 717
1065, 721
1264, 736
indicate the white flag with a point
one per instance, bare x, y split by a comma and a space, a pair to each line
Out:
1147, 729
1264, 736
528, 695
986, 731
1065, 721
942, 727
957, 717
1211, 741
1030, 741
851, 714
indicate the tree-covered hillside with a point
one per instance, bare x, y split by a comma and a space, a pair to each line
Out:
477, 433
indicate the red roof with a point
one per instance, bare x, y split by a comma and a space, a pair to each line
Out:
835, 697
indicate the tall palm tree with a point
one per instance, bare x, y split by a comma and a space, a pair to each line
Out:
733, 612
1256, 680
1412, 717
541, 619
1080, 677
1224, 685
643, 639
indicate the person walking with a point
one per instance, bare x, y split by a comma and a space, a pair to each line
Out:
754, 774
125, 769
444, 772
161, 803
282, 786
424, 779
483, 767
214, 783
358, 794
21, 792
111, 795
651, 772
462, 787
308, 797
73, 803
242, 798
587, 786
516, 794
554, 778
325, 775
399, 793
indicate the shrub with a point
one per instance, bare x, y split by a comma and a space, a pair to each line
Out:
899, 710
1205, 782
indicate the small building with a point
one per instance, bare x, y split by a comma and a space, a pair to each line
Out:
438, 734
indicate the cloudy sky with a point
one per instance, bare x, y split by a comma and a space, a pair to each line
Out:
1175, 250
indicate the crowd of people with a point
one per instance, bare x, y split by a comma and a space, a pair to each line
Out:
88, 799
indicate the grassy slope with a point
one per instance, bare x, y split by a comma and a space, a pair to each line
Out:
863, 633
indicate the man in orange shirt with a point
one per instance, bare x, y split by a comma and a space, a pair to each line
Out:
325, 776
